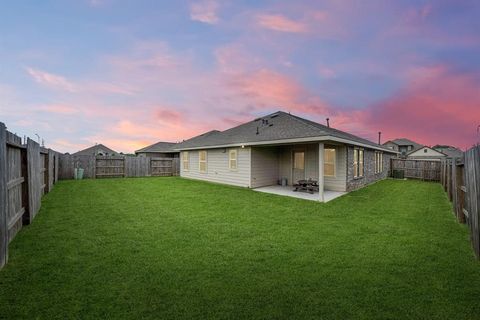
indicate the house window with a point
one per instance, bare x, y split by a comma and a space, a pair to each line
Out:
329, 162
378, 161
425, 150
202, 161
357, 162
232, 159
299, 160
185, 161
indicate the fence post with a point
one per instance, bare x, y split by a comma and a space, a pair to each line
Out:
3, 196
475, 198
34, 183
454, 186
461, 193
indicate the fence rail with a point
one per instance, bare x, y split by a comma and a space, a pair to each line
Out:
96, 167
417, 169
460, 179
26, 173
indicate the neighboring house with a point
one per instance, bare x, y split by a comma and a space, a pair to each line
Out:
450, 151
159, 149
426, 153
283, 146
97, 150
402, 145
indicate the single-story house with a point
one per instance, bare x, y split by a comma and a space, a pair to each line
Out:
96, 150
450, 151
403, 146
426, 153
160, 150
281, 147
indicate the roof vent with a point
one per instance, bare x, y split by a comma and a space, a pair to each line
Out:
274, 116
257, 131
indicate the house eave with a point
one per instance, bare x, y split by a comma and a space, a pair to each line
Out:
287, 141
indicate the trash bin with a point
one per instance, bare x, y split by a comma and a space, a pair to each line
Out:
78, 174
284, 182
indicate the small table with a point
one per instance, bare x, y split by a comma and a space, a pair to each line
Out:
306, 186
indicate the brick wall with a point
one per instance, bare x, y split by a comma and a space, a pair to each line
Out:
369, 169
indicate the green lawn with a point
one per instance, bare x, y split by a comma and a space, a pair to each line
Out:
159, 248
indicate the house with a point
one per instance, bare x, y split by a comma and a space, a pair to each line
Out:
281, 147
97, 150
402, 145
426, 153
160, 150
449, 151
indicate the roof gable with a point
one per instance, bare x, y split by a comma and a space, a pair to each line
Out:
94, 150
161, 147
405, 142
430, 152
278, 126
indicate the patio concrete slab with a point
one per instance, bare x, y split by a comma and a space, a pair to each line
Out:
288, 192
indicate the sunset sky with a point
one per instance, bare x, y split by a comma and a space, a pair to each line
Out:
130, 73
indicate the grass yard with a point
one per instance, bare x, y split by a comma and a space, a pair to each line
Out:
160, 248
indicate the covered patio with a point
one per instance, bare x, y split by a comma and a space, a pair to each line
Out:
277, 169
288, 192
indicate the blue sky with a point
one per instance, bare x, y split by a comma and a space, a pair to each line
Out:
130, 73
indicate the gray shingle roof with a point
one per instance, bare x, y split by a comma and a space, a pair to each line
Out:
406, 142
451, 152
160, 147
273, 127
94, 150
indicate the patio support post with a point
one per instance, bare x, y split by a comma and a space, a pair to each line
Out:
321, 160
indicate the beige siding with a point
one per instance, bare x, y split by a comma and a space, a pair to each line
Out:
218, 169
264, 166
430, 154
337, 183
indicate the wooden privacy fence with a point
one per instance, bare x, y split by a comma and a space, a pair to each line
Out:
417, 169
460, 179
117, 166
27, 172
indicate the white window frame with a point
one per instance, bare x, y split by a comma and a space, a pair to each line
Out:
357, 161
235, 159
185, 161
200, 161
378, 162
334, 162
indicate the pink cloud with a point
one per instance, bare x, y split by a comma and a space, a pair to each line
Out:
61, 83
280, 23
204, 11
437, 106
51, 80
267, 89
170, 116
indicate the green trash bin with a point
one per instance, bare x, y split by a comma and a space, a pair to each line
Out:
78, 174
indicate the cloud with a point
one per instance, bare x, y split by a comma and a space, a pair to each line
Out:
204, 11
61, 83
51, 80
438, 106
278, 22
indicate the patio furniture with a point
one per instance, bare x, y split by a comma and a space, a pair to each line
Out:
306, 186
